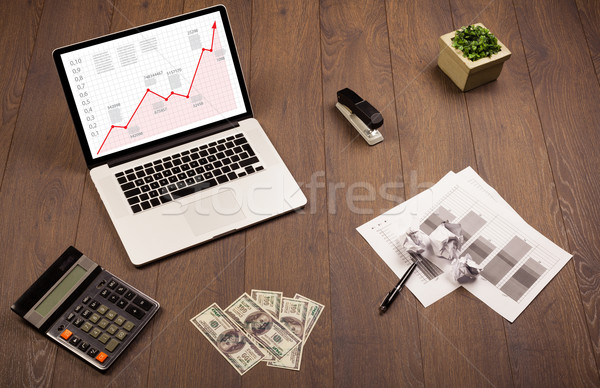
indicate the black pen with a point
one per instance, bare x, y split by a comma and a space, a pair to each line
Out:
396, 290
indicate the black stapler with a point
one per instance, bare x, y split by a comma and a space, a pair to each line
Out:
362, 115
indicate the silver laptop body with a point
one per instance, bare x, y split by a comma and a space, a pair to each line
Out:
166, 127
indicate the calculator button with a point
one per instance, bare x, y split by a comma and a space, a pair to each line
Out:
79, 321
112, 284
121, 335
105, 293
129, 295
120, 290
86, 327
102, 309
101, 357
86, 300
112, 345
75, 340
136, 312
111, 315
120, 320
122, 303
94, 318
84, 346
112, 329
113, 298
66, 334
104, 338
95, 332
143, 303
86, 313
128, 326
103, 323
78, 308
94, 304
70, 317
93, 352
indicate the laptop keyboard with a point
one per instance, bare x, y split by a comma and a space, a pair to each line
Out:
188, 172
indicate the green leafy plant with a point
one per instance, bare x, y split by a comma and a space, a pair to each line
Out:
475, 42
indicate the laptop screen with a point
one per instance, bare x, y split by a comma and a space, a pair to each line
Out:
137, 87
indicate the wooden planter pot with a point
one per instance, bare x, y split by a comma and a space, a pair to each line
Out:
465, 73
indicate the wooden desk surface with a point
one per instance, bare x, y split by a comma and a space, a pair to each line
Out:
533, 135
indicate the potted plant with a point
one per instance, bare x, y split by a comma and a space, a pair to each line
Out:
471, 56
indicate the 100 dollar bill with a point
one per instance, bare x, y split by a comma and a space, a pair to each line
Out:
228, 339
268, 300
262, 327
293, 315
314, 312
271, 302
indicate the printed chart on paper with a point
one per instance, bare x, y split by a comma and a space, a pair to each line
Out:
518, 261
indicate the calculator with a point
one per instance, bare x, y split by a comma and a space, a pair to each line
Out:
86, 309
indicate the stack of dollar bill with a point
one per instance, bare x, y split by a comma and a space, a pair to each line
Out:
265, 326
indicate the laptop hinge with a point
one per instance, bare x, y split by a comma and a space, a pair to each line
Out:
172, 143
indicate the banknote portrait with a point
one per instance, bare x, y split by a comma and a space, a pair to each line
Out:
294, 325
231, 341
258, 322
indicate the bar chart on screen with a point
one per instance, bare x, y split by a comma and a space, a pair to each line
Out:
150, 85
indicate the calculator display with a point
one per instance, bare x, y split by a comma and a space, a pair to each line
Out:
60, 290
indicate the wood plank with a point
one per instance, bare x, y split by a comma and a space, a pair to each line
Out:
567, 101
516, 163
589, 13
288, 253
17, 38
97, 238
191, 281
435, 138
43, 184
355, 47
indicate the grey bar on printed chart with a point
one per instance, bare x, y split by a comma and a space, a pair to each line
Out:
505, 260
471, 223
523, 279
435, 219
480, 249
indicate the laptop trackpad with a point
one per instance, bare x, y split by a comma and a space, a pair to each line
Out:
214, 212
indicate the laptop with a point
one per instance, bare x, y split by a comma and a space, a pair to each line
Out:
166, 127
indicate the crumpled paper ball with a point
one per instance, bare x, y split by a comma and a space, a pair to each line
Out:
446, 240
465, 269
416, 241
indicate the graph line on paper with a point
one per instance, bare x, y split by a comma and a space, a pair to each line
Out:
149, 91
511, 261
426, 270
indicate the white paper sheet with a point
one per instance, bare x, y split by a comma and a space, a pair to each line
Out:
518, 262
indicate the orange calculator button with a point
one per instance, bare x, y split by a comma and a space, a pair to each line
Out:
101, 357
66, 334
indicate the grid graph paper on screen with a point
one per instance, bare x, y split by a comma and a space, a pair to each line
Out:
154, 84
512, 260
